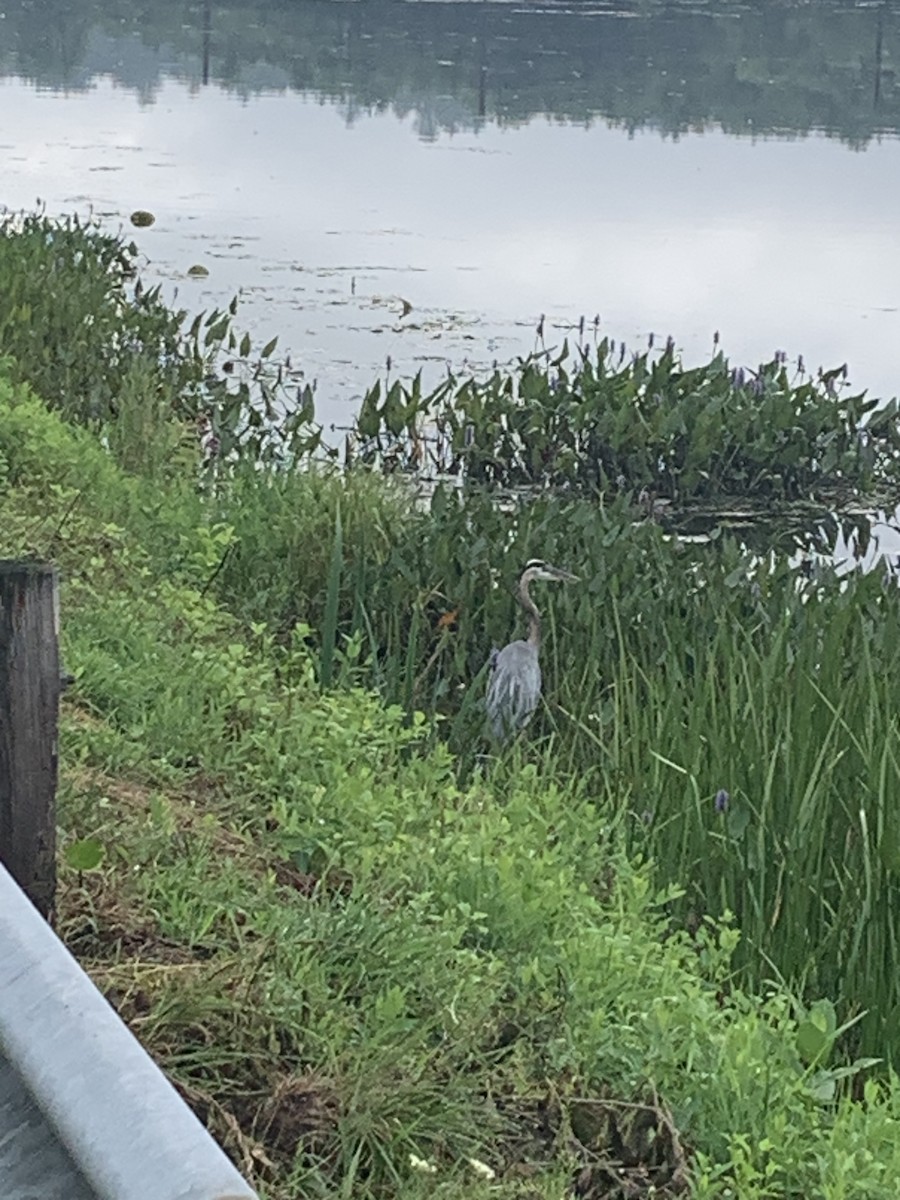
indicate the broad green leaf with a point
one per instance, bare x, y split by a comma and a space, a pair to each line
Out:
85, 855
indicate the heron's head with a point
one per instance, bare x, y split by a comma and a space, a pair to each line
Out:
536, 568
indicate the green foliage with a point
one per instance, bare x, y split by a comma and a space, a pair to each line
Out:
69, 318
66, 498
598, 421
329, 625
84, 855
93, 342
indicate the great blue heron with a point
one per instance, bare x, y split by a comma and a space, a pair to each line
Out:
514, 687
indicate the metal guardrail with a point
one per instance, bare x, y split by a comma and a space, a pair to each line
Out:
79, 1094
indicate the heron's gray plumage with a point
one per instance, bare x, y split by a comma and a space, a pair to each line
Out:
514, 687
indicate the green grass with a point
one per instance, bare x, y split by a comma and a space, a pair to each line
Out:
671, 672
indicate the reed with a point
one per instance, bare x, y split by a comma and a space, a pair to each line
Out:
674, 674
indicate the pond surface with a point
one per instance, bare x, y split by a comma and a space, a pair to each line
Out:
420, 181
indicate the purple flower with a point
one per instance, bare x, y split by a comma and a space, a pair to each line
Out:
722, 799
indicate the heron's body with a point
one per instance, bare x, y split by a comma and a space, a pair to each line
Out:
514, 688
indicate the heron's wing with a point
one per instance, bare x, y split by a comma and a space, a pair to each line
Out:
514, 688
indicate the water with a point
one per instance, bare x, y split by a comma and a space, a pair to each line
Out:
678, 169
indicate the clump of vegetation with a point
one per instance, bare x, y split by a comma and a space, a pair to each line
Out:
378, 962
595, 418
107, 352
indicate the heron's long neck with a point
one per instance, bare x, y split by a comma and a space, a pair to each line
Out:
531, 612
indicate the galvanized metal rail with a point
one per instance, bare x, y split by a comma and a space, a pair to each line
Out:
85, 1113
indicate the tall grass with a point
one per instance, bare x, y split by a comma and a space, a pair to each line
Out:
672, 674
332, 593
798, 725
287, 563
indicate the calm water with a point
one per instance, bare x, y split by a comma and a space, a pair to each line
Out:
678, 169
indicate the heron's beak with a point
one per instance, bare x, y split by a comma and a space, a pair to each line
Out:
564, 576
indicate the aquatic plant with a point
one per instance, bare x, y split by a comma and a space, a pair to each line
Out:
599, 418
95, 343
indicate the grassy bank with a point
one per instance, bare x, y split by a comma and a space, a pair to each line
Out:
380, 960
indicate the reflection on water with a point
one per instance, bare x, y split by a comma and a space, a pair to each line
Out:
861, 540
764, 67
421, 181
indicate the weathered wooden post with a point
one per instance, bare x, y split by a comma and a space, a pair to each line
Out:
29, 719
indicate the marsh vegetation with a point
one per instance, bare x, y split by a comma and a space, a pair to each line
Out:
651, 946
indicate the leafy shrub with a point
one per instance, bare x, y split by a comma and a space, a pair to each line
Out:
71, 319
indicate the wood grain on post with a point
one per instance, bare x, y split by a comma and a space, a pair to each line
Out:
29, 719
